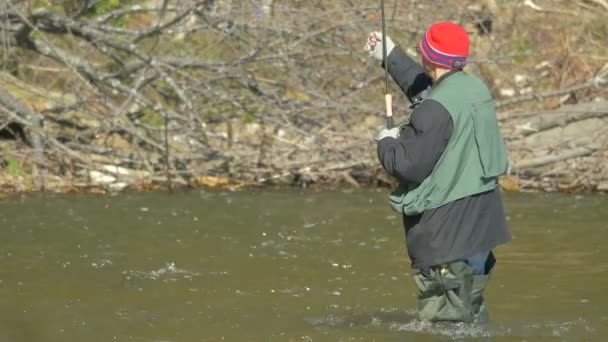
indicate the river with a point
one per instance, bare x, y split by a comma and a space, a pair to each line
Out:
281, 266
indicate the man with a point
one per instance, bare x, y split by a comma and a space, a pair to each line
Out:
447, 160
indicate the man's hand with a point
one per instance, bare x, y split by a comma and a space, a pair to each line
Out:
385, 133
374, 46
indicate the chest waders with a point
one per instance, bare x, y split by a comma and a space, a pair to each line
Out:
451, 292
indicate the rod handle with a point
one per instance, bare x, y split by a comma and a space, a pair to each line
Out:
388, 99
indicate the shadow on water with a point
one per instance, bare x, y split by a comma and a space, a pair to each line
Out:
407, 322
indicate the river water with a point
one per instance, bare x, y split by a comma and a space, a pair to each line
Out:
281, 266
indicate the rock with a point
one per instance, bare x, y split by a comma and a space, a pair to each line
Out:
507, 92
543, 65
118, 186
603, 186
219, 183
113, 141
532, 5
520, 80
101, 178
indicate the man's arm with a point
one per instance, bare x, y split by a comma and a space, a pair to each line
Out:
408, 74
412, 157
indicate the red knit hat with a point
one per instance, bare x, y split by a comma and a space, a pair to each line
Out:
445, 45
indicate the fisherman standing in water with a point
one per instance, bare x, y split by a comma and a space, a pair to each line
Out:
447, 161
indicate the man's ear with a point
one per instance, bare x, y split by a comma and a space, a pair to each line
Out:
429, 68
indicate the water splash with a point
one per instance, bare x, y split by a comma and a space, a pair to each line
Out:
452, 330
168, 273
406, 321
102, 263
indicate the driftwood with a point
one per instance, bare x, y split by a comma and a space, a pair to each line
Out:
564, 145
551, 159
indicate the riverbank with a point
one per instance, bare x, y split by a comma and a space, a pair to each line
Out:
231, 95
14, 185
560, 150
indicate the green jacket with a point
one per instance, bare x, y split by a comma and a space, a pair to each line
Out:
475, 155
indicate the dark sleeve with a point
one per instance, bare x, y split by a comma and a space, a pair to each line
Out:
411, 157
408, 74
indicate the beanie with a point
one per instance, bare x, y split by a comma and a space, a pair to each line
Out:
445, 45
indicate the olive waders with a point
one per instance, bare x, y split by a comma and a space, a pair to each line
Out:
452, 292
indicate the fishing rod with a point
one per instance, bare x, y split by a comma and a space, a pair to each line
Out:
388, 98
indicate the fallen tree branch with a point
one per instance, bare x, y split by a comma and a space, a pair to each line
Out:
550, 159
599, 80
560, 118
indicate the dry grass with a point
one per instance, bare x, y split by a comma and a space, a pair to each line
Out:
557, 47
